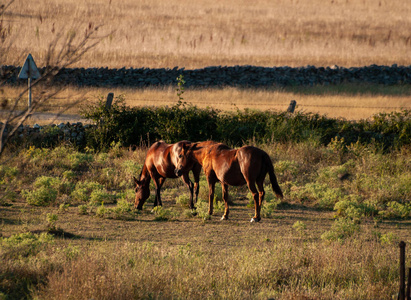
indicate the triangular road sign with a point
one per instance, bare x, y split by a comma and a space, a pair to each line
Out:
29, 69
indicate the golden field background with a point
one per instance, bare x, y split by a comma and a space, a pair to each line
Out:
196, 34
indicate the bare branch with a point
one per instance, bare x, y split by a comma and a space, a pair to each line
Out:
64, 51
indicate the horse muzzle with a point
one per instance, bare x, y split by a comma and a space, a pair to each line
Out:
178, 172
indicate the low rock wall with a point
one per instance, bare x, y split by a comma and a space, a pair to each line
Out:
73, 133
238, 76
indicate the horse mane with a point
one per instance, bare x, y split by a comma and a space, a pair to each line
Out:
222, 147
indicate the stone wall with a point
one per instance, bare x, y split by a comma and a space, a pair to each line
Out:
73, 133
238, 76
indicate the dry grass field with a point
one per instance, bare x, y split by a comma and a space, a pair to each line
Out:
194, 34
351, 103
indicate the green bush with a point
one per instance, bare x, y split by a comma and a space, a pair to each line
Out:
142, 125
124, 210
164, 214
300, 227
268, 209
83, 190
320, 194
100, 196
7, 174
341, 229
45, 191
396, 210
355, 208
101, 211
23, 245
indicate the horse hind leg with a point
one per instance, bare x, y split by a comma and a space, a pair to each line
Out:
225, 197
261, 192
211, 187
257, 207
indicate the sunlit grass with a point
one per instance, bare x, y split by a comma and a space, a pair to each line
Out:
203, 33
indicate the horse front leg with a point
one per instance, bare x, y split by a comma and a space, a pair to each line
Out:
225, 198
159, 183
196, 173
190, 185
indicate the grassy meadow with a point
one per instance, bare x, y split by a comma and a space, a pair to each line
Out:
68, 229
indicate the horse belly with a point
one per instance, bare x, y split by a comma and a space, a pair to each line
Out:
233, 177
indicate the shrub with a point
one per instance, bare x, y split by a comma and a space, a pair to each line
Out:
7, 174
78, 159
341, 229
163, 214
83, 209
101, 196
202, 210
183, 200
300, 227
389, 238
268, 209
23, 245
396, 210
320, 194
45, 191
124, 210
83, 190
101, 211
354, 208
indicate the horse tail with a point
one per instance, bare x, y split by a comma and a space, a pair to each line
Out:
273, 178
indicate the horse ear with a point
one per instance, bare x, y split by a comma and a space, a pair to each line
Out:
193, 147
136, 181
186, 147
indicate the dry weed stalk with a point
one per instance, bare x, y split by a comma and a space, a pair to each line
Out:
63, 51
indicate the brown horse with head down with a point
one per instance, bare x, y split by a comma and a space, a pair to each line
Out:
159, 164
246, 165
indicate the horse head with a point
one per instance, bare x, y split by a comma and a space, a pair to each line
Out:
185, 160
142, 190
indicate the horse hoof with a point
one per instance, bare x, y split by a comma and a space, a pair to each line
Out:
255, 220
223, 218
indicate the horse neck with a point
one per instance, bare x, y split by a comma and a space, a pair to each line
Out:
199, 154
145, 174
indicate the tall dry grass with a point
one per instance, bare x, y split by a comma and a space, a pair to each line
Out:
352, 103
200, 33
287, 268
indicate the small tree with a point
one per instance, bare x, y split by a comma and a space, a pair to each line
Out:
65, 50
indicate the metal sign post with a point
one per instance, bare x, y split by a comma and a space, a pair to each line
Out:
29, 71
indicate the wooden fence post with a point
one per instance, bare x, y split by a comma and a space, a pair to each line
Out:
409, 285
401, 294
291, 107
109, 100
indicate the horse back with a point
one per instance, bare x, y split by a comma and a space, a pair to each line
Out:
222, 160
158, 160
253, 162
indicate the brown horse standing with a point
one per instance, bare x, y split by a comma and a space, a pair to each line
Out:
246, 165
159, 164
